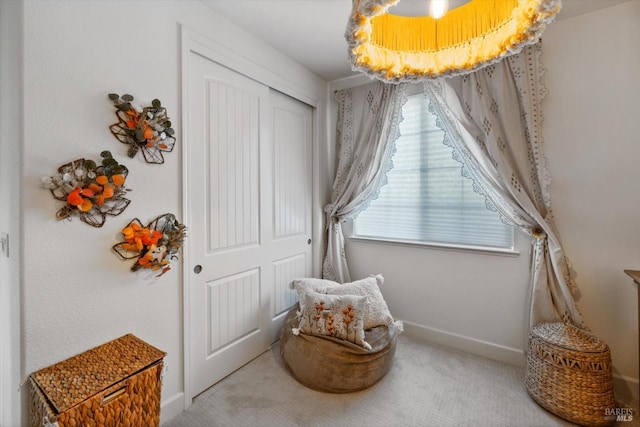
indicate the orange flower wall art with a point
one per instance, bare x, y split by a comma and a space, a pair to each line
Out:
148, 129
90, 191
153, 246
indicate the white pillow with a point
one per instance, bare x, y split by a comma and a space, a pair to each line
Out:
338, 316
376, 309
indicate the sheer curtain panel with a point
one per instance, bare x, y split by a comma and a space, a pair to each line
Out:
492, 119
367, 127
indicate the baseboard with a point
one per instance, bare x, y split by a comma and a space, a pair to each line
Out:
171, 407
626, 391
512, 356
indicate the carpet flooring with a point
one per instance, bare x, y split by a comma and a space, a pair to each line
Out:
428, 385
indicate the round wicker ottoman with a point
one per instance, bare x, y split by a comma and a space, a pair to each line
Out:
335, 366
568, 372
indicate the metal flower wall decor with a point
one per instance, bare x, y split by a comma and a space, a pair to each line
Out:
148, 129
154, 246
90, 190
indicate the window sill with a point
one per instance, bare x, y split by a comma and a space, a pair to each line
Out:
442, 246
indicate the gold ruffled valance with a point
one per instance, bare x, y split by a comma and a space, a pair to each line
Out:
402, 48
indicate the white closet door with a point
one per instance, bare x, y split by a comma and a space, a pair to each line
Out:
249, 198
292, 186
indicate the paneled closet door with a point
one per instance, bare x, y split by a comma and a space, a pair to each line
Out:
249, 192
291, 201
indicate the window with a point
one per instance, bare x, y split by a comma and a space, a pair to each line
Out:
427, 200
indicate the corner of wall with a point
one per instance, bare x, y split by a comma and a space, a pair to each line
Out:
11, 359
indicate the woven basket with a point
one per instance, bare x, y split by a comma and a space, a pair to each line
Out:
568, 372
115, 384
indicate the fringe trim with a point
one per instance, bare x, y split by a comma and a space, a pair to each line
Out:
399, 325
524, 27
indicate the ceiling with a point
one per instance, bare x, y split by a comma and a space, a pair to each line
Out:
312, 31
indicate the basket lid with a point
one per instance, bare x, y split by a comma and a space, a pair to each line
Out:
569, 337
76, 379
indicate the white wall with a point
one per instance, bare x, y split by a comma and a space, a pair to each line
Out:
77, 293
592, 136
479, 302
10, 143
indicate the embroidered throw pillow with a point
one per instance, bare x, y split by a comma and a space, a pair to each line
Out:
338, 316
376, 310
302, 286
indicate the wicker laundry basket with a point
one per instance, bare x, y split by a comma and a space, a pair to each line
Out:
115, 384
568, 372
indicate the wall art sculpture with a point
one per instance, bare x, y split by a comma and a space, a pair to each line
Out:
148, 129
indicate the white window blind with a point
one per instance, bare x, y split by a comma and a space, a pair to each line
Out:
427, 200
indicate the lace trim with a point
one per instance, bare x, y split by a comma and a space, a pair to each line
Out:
530, 81
463, 155
387, 162
344, 131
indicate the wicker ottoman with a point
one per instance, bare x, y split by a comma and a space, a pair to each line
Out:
568, 372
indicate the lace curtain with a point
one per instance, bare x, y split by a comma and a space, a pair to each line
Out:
492, 119
368, 119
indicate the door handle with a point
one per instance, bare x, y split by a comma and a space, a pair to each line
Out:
309, 242
197, 269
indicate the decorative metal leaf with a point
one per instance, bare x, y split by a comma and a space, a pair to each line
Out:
123, 253
94, 217
65, 212
116, 206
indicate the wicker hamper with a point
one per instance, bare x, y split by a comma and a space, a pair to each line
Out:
568, 372
115, 384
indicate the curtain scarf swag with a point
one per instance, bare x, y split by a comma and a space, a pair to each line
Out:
492, 119
408, 48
